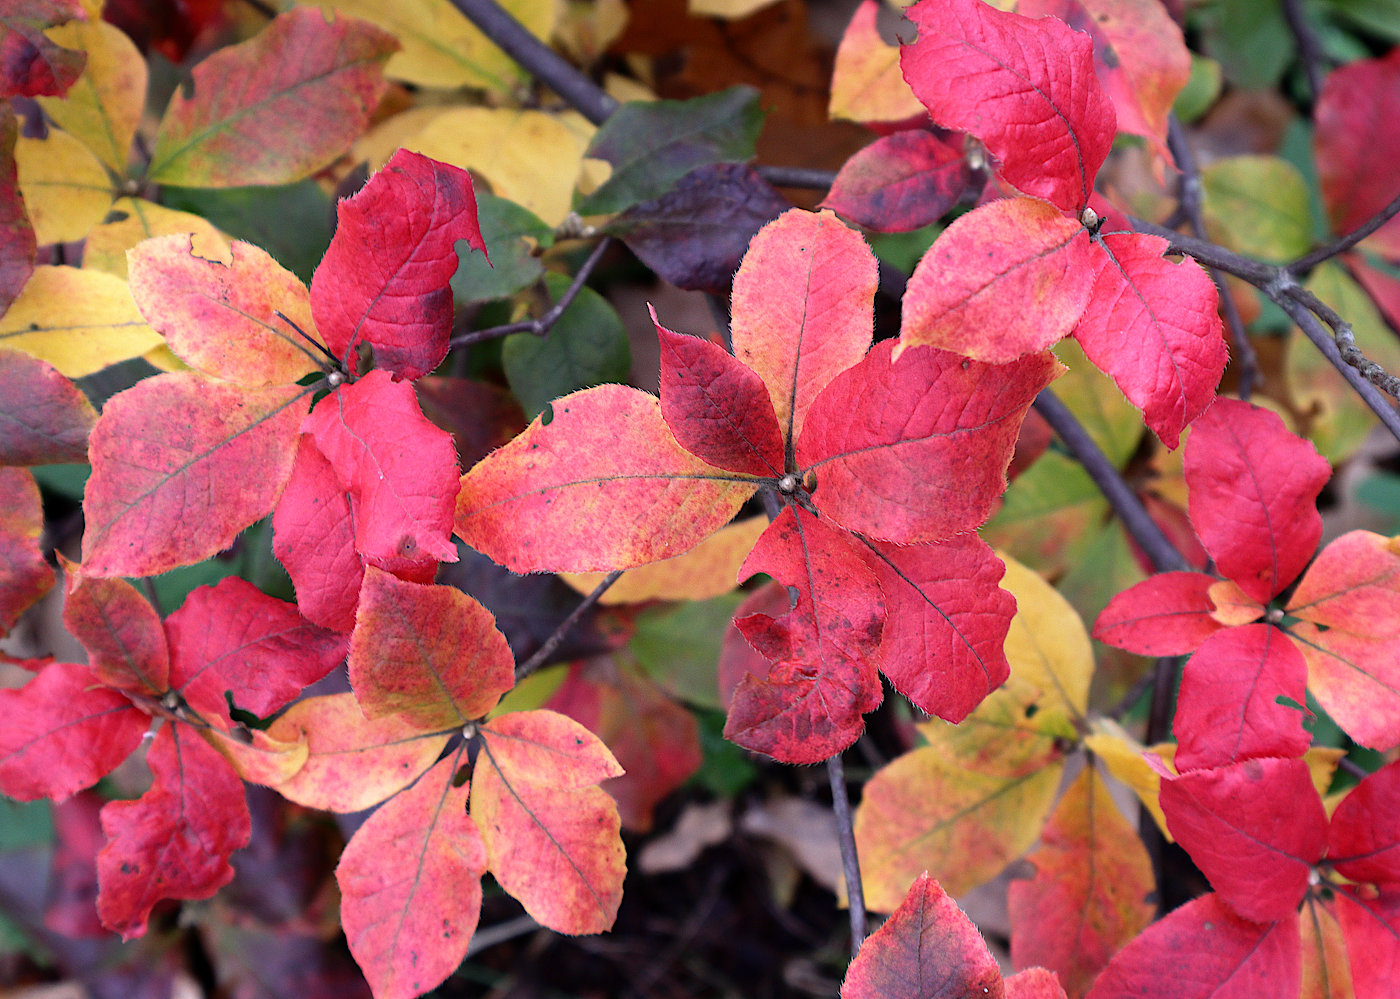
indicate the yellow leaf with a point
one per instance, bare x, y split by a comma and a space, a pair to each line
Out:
441, 48
135, 219
1047, 645
1122, 755
104, 107
261, 759
380, 142
587, 27
707, 570
866, 83
529, 157
730, 10
1322, 764
79, 321
65, 188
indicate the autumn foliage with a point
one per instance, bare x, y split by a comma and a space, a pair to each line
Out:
916, 559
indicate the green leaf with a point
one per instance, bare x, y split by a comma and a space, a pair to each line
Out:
1379, 17
679, 645
1251, 40
1260, 204
653, 144
507, 229
587, 347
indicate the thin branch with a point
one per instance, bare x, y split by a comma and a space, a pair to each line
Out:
1120, 496
544, 63
804, 177
850, 863
1246, 360
1211, 254
1309, 46
542, 654
542, 325
1346, 340
1306, 263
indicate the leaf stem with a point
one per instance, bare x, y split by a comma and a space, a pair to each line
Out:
542, 654
850, 862
1309, 47
1125, 503
542, 325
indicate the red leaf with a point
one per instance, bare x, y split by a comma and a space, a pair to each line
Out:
824, 651
1253, 492
1363, 842
1228, 709
1090, 892
71, 908
602, 485
1034, 983
1358, 153
1005, 280
900, 182
121, 632
1353, 585
1356, 680
1254, 829
399, 469
428, 654
1152, 326
1168, 614
737, 658
175, 840
181, 465
928, 949
17, 240
410, 884
1372, 931
954, 419
313, 536
24, 575
44, 419
63, 732
1211, 953
717, 409
551, 835
384, 279
946, 621
803, 309
1026, 88
30, 64
233, 637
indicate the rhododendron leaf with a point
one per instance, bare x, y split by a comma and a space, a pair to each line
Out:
1240, 698
1214, 954
803, 309
954, 419
928, 949
305, 89
1090, 893
430, 655
867, 84
313, 536
79, 321
410, 886
945, 622
1357, 156
1363, 841
1354, 585
653, 144
352, 761
32, 63
18, 246
1139, 54
1253, 496
601, 485
233, 640
180, 465
1004, 280
1371, 927
717, 409
656, 740
965, 805
105, 104
175, 840
1168, 614
120, 630
823, 652
1152, 326
220, 315
399, 470
63, 732
44, 418
551, 834
1026, 88
1254, 828
384, 279
26, 576
901, 182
